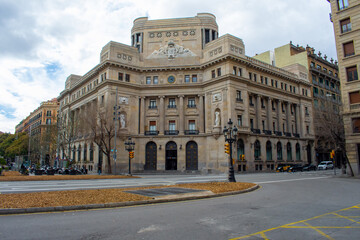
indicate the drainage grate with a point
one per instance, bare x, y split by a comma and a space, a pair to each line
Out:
163, 191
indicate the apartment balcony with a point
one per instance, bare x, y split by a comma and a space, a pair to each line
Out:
191, 132
296, 135
267, 132
191, 105
355, 106
171, 106
239, 100
277, 133
255, 130
147, 133
171, 132
152, 107
287, 134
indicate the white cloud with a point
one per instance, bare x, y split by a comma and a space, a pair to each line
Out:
66, 37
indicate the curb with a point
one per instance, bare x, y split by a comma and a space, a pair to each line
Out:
119, 204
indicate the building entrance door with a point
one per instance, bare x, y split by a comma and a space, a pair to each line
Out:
171, 156
191, 156
151, 152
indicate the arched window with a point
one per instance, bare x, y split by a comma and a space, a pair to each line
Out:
289, 153
279, 151
268, 151
257, 149
240, 149
79, 153
298, 155
73, 153
91, 152
85, 152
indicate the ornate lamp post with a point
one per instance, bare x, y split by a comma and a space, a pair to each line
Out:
129, 146
230, 134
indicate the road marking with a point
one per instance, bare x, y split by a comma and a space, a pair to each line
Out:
309, 226
290, 180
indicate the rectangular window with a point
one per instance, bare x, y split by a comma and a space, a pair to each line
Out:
127, 77
266, 80
327, 83
172, 126
307, 129
187, 78
194, 78
345, 25
219, 72
263, 124
255, 77
274, 126
152, 126
191, 103
290, 88
120, 76
352, 74
156, 80
213, 74
321, 80
354, 97
356, 125
238, 96
48, 113
272, 82
251, 101
261, 79
325, 69
48, 121
251, 123
192, 125
250, 75
312, 64
240, 72
282, 86
148, 80
152, 104
239, 120
349, 49
276, 84
234, 70
285, 87
172, 103
318, 67
342, 4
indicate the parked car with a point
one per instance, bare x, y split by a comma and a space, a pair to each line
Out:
282, 168
309, 167
324, 165
295, 168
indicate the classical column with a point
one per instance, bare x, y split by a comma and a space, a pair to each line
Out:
201, 113
279, 116
208, 121
258, 111
269, 115
161, 115
288, 117
181, 114
299, 120
142, 114
203, 37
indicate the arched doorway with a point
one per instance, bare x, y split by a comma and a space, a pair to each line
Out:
191, 156
268, 151
279, 151
289, 151
171, 156
298, 154
257, 150
240, 149
308, 152
151, 156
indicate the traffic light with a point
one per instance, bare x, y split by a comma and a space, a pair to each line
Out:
332, 154
131, 155
227, 148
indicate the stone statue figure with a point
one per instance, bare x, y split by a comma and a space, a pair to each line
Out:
122, 120
217, 118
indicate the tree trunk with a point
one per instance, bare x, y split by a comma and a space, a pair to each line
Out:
109, 163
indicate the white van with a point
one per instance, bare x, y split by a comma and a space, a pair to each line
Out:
324, 165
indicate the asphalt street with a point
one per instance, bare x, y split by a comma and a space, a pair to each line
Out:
287, 206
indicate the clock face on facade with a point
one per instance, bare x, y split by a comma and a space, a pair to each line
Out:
171, 79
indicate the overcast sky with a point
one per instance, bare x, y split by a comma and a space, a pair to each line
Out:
44, 41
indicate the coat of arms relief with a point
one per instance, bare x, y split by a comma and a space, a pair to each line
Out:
172, 50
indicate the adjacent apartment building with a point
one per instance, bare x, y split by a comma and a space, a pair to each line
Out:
176, 87
41, 125
345, 15
324, 78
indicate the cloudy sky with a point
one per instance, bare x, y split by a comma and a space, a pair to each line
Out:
44, 41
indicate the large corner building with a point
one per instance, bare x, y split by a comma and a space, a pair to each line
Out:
177, 86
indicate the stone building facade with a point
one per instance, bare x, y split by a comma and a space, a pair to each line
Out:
345, 15
325, 89
41, 125
178, 84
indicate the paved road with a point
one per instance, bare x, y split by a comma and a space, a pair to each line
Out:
146, 180
288, 206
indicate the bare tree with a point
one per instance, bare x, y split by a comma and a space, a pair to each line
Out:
100, 124
330, 128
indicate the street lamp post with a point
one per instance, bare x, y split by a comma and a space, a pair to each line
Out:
230, 134
129, 146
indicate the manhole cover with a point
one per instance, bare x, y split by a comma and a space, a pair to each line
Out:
163, 191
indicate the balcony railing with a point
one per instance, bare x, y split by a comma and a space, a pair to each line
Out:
151, 132
255, 130
171, 106
277, 133
171, 132
191, 105
296, 135
287, 134
191, 132
239, 100
267, 132
152, 107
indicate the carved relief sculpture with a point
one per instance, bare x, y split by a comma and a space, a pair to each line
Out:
171, 51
